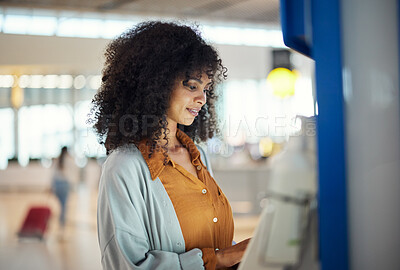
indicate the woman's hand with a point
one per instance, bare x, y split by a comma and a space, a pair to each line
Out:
232, 255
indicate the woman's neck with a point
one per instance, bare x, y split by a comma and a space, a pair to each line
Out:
173, 141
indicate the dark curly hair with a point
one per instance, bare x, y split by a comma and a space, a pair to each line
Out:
141, 68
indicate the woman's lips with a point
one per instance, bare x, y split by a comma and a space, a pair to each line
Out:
193, 111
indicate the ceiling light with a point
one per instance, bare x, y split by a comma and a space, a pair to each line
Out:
95, 82
6, 81
24, 81
79, 82
36, 81
50, 81
65, 81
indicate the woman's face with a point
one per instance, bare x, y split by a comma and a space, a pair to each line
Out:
187, 98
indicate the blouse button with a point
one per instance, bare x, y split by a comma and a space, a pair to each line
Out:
215, 219
204, 191
199, 168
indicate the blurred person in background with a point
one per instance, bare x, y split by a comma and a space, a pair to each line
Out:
61, 183
158, 205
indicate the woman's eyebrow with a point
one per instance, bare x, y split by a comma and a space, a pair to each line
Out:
199, 81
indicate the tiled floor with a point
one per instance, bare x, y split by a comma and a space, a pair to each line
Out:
77, 247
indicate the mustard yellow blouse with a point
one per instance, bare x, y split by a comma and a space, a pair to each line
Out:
203, 211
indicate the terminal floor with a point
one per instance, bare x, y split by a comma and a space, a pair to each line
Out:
75, 247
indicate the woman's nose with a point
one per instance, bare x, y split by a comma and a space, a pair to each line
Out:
201, 98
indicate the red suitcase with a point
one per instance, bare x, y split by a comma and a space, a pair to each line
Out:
35, 223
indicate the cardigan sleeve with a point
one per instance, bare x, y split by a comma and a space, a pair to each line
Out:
124, 251
123, 239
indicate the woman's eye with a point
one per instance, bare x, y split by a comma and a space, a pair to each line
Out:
188, 85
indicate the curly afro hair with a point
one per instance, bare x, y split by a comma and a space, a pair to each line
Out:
141, 68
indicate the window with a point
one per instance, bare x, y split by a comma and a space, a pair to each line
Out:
43, 130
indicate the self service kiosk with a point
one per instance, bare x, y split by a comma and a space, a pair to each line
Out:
355, 46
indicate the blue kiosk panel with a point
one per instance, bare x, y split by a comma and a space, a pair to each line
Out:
313, 29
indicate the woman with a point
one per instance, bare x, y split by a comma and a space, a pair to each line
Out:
159, 207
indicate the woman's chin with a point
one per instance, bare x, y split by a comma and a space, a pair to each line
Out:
187, 122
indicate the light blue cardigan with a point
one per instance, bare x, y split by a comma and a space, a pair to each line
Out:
137, 224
